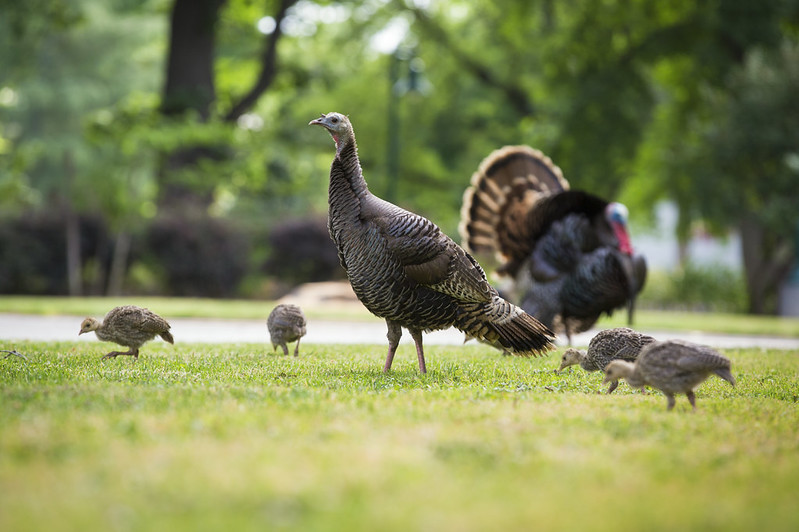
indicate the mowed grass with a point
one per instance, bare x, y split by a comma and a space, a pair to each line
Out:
234, 437
173, 307
170, 307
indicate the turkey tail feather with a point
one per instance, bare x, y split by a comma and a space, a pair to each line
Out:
503, 188
507, 327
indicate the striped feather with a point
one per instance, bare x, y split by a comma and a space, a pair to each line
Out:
404, 269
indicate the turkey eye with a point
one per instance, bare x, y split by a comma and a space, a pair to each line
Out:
334, 119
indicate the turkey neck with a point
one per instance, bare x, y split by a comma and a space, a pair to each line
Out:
102, 333
347, 184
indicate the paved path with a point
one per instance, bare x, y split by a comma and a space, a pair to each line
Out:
65, 328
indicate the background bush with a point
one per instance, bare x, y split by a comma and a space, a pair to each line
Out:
693, 287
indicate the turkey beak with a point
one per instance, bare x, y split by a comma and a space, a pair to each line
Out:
317, 121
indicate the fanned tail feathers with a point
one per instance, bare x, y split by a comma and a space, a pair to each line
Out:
507, 327
504, 187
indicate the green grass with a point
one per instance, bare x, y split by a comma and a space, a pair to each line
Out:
715, 322
233, 437
252, 309
174, 307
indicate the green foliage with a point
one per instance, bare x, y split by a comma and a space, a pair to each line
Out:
695, 288
638, 99
65, 79
756, 160
214, 437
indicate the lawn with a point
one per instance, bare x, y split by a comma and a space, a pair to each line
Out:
234, 437
649, 320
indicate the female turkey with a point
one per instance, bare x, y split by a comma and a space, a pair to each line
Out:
286, 323
568, 252
129, 326
621, 343
673, 366
404, 269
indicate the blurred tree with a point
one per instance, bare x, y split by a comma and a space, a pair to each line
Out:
612, 89
749, 167
123, 173
56, 82
190, 85
686, 151
627, 96
302, 251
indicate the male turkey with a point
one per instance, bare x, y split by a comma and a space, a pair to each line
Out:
673, 366
286, 323
621, 343
405, 270
567, 251
129, 326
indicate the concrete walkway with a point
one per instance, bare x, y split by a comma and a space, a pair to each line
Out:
65, 328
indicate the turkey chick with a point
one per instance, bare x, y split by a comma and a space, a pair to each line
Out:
286, 323
673, 366
621, 343
128, 326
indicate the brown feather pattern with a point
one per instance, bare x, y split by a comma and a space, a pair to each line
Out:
672, 366
404, 269
286, 323
621, 343
555, 243
129, 326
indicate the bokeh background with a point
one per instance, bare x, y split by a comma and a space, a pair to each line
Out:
161, 146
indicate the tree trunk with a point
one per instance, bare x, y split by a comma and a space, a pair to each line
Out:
72, 231
190, 65
767, 261
116, 276
268, 66
752, 250
72, 227
189, 86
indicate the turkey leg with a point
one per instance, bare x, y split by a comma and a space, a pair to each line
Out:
417, 339
131, 352
394, 334
691, 398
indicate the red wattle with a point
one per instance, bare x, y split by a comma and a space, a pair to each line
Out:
624, 239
